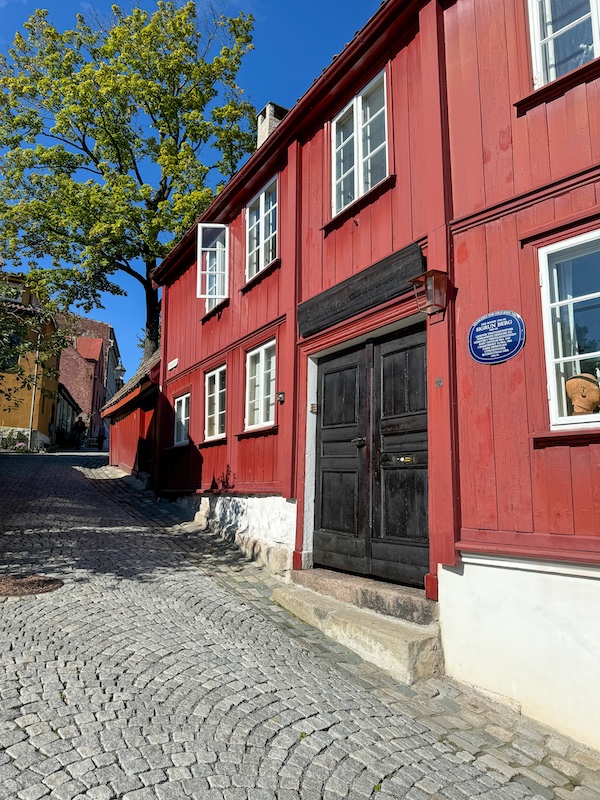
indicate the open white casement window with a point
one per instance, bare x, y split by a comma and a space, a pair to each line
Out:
216, 403
570, 281
212, 263
261, 230
565, 34
359, 146
182, 419
260, 386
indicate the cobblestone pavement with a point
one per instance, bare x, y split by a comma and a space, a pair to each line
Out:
162, 669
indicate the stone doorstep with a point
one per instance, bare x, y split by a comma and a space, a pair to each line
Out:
402, 602
406, 651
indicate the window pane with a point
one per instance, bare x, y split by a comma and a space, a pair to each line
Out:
345, 192
559, 13
345, 159
568, 50
270, 197
574, 277
269, 385
253, 389
344, 128
566, 370
375, 169
373, 102
374, 134
576, 328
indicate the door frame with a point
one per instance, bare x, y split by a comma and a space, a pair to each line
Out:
313, 355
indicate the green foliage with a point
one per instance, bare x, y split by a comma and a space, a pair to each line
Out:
110, 136
28, 337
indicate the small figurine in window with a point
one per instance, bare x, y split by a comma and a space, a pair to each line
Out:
584, 393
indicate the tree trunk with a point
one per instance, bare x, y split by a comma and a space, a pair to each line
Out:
152, 333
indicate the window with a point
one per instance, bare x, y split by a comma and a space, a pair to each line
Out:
360, 145
570, 279
215, 404
182, 419
260, 386
212, 264
261, 230
565, 34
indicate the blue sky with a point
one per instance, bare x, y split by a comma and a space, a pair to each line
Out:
294, 42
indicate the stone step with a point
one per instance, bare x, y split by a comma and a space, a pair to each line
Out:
406, 651
402, 602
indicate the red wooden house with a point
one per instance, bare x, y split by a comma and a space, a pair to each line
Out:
338, 424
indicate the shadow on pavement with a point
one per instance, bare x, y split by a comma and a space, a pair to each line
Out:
60, 517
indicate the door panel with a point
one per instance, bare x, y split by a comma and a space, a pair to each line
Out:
342, 506
399, 546
371, 509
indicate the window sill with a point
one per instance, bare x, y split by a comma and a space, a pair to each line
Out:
268, 270
254, 432
212, 442
571, 438
216, 311
358, 204
588, 72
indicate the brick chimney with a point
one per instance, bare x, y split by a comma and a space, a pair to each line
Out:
268, 119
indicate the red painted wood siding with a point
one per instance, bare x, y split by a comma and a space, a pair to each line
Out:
396, 218
132, 439
509, 486
253, 314
495, 153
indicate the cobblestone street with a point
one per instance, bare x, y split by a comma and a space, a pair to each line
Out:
162, 669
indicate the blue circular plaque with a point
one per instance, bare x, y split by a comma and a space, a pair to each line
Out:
496, 337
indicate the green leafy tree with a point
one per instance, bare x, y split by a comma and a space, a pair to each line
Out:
113, 139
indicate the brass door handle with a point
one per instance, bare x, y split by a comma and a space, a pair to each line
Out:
360, 442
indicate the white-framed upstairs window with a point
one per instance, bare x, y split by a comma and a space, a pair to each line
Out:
260, 386
182, 419
216, 403
359, 145
565, 34
570, 281
261, 230
213, 246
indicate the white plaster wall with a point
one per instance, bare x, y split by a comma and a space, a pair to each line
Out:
263, 527
528, 631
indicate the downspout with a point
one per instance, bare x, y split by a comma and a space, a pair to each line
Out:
33, 390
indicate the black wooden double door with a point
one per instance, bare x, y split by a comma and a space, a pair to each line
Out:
371, 465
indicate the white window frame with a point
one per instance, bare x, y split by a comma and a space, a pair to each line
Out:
220, 408
265, 403
213, 265
355, 106
181, 419
540, 78
589, 242
256, 257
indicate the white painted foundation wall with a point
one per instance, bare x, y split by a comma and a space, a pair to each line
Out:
264, 527
528, 631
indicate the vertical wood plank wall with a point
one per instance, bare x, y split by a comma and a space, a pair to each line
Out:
508, 169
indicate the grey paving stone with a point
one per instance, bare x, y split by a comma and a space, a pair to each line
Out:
163, 670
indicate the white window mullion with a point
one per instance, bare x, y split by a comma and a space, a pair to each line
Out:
181, 408
570, 272
348, 130
549, 36
216, 400
260, 242
213, 264
260, 386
